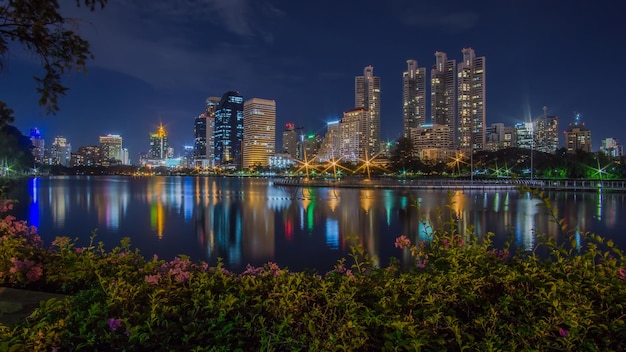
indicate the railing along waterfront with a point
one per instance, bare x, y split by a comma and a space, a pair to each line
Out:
457, 184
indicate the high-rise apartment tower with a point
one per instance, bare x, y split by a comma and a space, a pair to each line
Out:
413, 97
443, 94
367, 95
471, 102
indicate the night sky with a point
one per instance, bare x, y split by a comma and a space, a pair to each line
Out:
157, 61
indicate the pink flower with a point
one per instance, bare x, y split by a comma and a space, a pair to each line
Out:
621, 273
563, 332
152, 279
79, 250
402, 242
35, 273
115, 323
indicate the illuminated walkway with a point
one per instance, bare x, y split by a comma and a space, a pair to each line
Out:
457, 184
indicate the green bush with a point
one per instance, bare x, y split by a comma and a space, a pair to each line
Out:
459, 293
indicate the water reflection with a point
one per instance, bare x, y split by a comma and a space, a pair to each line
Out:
253, 221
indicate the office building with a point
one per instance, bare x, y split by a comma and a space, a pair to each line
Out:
290, 141
367, 96
443, 94
39, 145
578, 136
413, 97
204, 124
111, 149
158, 144
471, 101
329, 148
353, 135
611, 147
60, 152
499, 136
546, 133
228, 132
259, 136
87, 156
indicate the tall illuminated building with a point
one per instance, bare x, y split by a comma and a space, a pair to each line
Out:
158, 144
471, 102
443, 94
60, 153
413, 97
367, 95
578, 136
611, 147
203, 148
111, 149
546, 131
228, 133
352, 135
290, 140
39, 145
259, 136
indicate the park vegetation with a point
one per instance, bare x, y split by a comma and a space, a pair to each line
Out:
455, 293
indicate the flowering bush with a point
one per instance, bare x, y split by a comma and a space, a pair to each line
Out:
458, 293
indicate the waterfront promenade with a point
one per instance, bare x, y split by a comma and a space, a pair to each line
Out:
458, 184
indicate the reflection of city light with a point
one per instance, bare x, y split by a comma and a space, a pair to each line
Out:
33, 216
289, 230
388, 201
599, 206
366, 200
527, 207
496, 202
332, 233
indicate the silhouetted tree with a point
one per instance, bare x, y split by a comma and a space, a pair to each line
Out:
39, 28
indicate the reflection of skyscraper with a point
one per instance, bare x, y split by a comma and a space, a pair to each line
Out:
259, 138
228, 134
367, 96
413, 97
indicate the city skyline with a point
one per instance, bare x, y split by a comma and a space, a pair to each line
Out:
155, 65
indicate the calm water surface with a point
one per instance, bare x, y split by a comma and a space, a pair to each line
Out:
252, 221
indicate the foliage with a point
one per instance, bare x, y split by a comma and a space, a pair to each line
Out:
42, 31
15, 150
456, 293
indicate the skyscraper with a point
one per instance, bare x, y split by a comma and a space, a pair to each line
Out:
471, 101
413, 97
204, 124
111, 149
578, 136
259, 137
546, 133
60, 153
367, 95
290, 140
228, 133
443, 94
158, 144
352, 135
39, 145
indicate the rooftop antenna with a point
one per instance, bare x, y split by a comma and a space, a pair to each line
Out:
545, 108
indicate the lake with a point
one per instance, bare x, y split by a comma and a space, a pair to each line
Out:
253, 221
